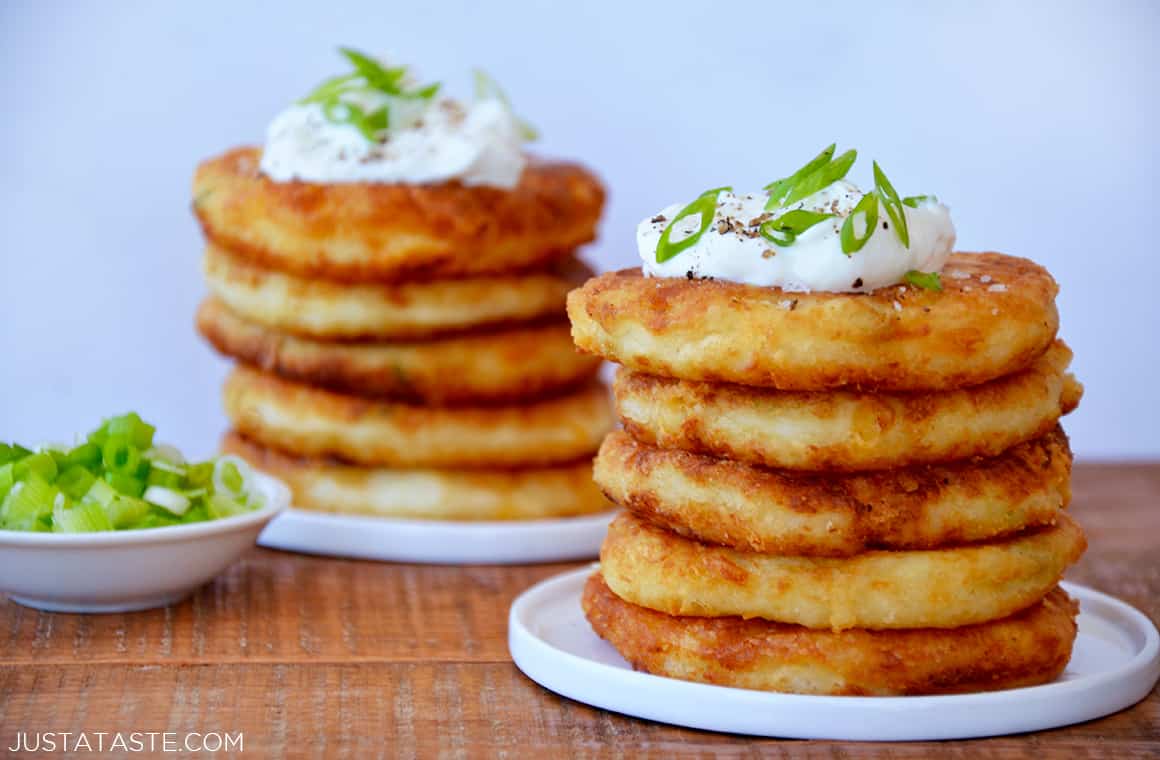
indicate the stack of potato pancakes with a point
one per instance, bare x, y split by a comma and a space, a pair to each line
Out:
403, 349
835, 493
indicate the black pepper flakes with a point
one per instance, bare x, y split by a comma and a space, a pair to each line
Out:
857, 283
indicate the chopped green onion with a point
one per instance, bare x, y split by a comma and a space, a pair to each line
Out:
487, 88
117, 480
10, 452
167, 499
867, 208
784, 229
892, 204
125, 483
120, 455
924, 280
28, 503
82, 517
779, 189
42, 464
385, 80
75, 481
914, 200
706, 206
822, 178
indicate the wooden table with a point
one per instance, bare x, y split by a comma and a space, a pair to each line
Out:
333, 658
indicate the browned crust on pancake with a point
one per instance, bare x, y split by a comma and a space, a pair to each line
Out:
518, 364
848, 430
939, 588
324, 485
829, 514
393, 232
312, 422
725, 332
1028, 648
313, 307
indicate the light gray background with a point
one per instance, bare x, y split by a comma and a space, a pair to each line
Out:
1035, 122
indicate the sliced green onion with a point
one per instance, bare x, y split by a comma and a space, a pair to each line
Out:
75, 481
867, 208
822, 178
779, 189
131, 427
7, 480
10, 452
384, 80
120, 455
914, 200
127, 484
892, 204
784, 229
706, 206
487, 88
29, 504
167, 499
41, 464
86, 455
924, 280
82, 517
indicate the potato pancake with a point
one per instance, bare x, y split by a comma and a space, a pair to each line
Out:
1030, 647
392, 232
994, 315
321, 485
848, 430
312, 422
318, 308
939, 588
825, 514
516, 364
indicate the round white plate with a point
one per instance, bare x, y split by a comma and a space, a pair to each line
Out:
1115, 663
514, 542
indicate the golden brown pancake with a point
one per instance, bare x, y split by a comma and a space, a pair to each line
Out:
321, 485
1030, 647
827, 514
319, 308
393, 232
848, 430
311, 422
941, 588
993, 321
516, 364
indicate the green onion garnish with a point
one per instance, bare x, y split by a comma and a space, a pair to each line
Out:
487, 88
868, 209
892, 204
117, 480
369, 78
706, 206
779, 189
784, 229
914, 200
924, 280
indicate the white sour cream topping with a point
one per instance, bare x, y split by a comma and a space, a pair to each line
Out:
479, 144
733, 249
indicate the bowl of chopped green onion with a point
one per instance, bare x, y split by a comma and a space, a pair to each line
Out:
118, 523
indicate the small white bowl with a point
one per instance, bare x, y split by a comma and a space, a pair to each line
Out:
121, 571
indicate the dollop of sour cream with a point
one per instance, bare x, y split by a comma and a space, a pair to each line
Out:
733, 249
429, 142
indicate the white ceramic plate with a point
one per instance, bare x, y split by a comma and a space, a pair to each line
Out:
1115, 663
120, 571
436, 541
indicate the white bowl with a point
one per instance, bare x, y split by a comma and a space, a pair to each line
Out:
120, 571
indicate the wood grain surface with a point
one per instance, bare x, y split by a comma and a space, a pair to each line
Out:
312, 657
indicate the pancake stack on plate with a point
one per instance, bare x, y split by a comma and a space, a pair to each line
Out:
837, 493
403, 349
